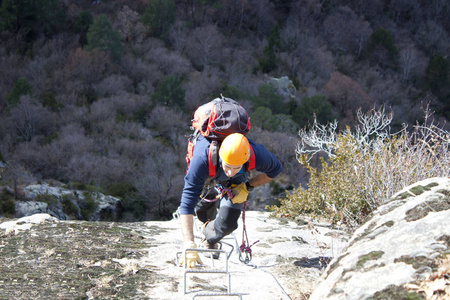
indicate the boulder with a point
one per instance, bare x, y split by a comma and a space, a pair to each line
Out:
28, 208
285, 87
395, 249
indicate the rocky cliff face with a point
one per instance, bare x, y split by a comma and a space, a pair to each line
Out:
402, 252
68, 204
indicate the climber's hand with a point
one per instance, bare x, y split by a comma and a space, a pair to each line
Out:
192, 257
240, 193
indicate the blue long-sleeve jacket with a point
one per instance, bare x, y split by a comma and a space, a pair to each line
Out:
197, 174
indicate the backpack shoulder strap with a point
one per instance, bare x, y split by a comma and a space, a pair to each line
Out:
213, 158
252, 162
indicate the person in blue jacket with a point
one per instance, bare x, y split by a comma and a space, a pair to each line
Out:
201, 193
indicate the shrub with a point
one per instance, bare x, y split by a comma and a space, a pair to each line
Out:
381, 38
159, 16
7, 204
269, 97
101, 36
87, 206
69, 207
362, 169
120, 189
170, 92
31, 17
21, 87
51, 200
317, 106
264, 118
84, 20
267, 62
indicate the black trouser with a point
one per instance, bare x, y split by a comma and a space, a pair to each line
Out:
223, 222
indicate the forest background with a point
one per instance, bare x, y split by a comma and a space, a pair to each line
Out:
99, 94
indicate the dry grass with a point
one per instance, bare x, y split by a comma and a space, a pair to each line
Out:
74, 260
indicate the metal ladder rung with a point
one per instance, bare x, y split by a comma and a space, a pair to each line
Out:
207, 271
218, 295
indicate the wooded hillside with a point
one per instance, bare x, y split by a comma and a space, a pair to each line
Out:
99, 94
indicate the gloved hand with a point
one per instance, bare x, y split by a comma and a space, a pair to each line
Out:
240, 193
192, 257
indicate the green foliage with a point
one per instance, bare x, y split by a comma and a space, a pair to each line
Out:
437, 75
382, 37
317, 106
87, 206
51, 200
232, 92
84, 21
134, 208
332, 192
82, 187
7, 204
120, 189
101, 36
264, 118
89, 96
159, 16
21, 87
31, 16
48, 99
267, 62
268, 97
364, 169
170, 92
69, 207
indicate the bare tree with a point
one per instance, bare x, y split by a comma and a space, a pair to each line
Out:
347, 32
205, 46
29, 118
129, 26
403, 11
168, 62
168, 123
292, 40
200, 87
160, 183
113, 85
18, 176
432, 37
411, 63
346, 94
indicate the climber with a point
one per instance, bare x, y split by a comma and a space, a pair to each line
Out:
228, 189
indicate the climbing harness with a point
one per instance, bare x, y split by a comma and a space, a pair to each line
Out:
245, 246
221, 191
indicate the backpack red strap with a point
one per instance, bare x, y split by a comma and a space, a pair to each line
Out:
213, 158
252, 162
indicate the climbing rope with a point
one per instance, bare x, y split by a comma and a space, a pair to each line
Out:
245, 246
223, 190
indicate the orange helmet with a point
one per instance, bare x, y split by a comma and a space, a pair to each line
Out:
235, 149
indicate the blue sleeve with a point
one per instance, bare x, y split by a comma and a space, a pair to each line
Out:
195, 177
265, 161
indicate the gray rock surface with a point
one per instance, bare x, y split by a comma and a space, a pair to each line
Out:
103, 206
396, 247
47, 258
